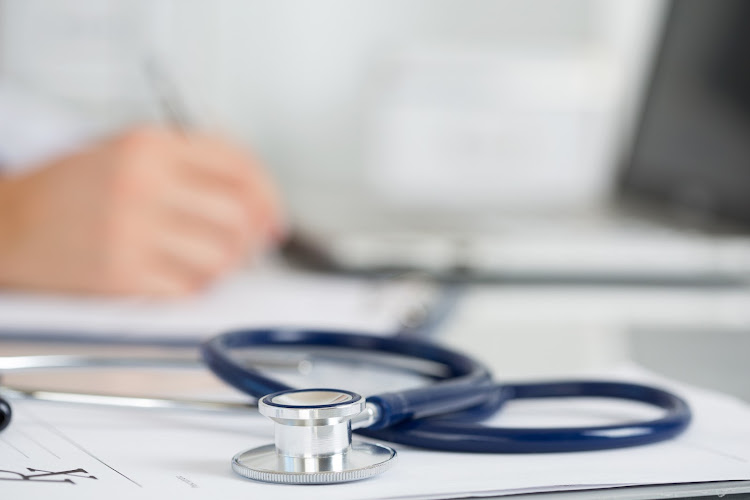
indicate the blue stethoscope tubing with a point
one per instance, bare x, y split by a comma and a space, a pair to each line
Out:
444, 415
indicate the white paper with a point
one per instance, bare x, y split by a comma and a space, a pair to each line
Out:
170, 454
257, 298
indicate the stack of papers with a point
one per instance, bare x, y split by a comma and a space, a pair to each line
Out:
266, 297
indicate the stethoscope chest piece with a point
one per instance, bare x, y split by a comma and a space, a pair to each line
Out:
313, 440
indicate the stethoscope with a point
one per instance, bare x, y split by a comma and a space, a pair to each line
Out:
313, 426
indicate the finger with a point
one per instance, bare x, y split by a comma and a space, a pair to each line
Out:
236, 239
195, 258
220, 208
167, 283
210, 156
217, 214
213, 160
151, 279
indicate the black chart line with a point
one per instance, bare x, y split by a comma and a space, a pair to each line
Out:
36, 442
62, 435
15, 448
709, 449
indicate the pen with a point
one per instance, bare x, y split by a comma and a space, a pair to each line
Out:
167, 95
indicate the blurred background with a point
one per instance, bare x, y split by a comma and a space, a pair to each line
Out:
524, 103
497, 136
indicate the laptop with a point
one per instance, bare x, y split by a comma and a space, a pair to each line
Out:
680, 214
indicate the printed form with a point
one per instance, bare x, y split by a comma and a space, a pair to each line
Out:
78, 452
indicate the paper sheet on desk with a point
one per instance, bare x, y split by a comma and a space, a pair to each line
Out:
148, 454
263, 297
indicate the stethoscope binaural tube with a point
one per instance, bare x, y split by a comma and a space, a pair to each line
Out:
443, 415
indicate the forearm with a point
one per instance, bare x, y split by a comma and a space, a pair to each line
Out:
35, 233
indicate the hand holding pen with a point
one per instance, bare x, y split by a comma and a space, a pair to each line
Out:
152, 211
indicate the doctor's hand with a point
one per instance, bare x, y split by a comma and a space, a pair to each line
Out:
151, 212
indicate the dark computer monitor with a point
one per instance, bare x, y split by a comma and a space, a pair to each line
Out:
692, 145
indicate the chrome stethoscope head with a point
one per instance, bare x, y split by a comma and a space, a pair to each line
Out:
313, 440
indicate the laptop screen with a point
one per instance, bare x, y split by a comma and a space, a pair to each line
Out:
692, 146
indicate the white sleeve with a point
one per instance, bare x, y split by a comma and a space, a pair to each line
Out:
33, 130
